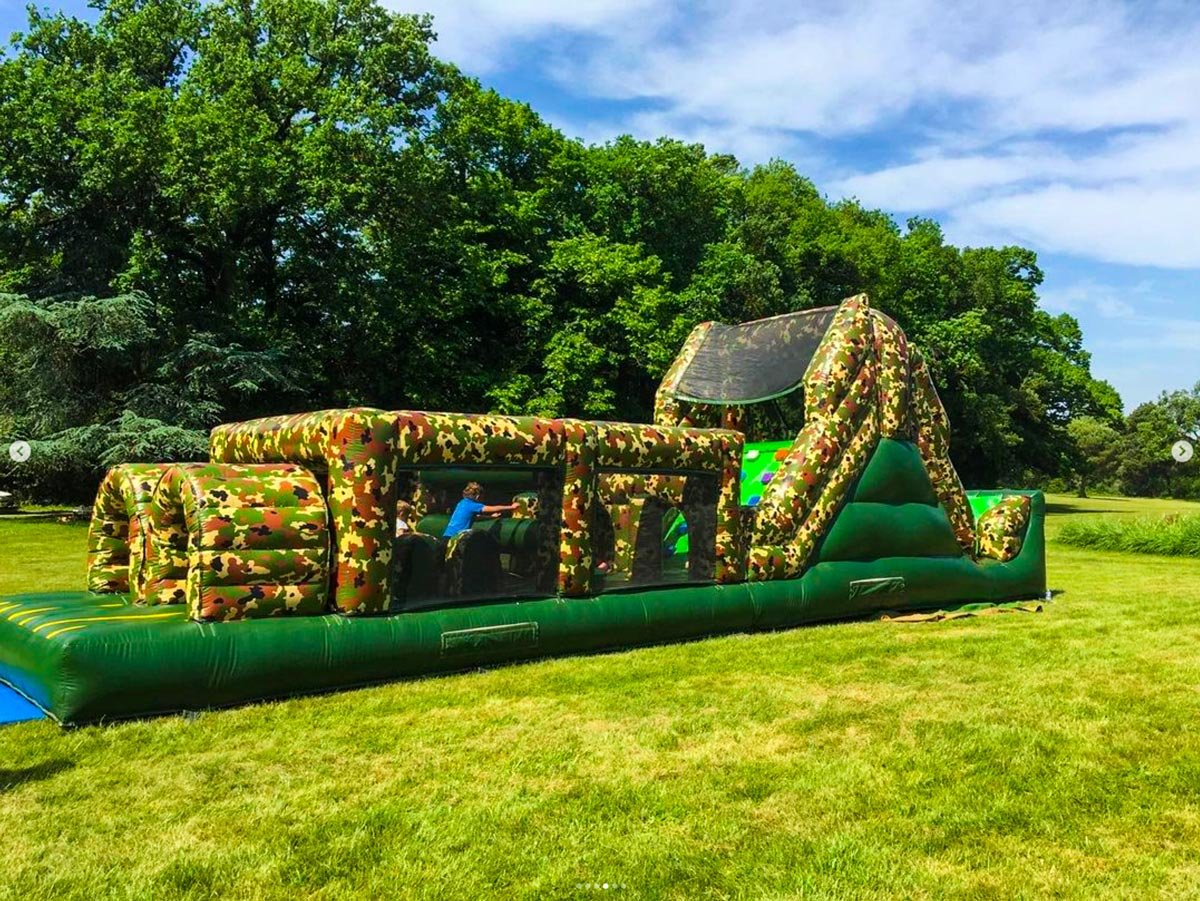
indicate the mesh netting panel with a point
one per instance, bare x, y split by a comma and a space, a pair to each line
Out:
755, 361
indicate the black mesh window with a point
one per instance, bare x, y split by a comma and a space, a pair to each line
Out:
754, 361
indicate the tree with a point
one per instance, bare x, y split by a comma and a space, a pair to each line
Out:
217, 209
1098, 451
206, 155
210, 168
1147, 467
1182, 409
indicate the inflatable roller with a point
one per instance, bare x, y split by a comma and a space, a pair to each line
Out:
512, 535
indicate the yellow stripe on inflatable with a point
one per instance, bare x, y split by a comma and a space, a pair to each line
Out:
58, 632
24, 617
98, 619
31, 614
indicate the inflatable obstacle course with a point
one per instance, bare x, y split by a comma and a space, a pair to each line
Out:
276, 568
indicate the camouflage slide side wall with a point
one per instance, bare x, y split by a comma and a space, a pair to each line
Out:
267, 571
862, 385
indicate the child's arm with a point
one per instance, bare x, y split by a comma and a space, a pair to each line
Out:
498, 508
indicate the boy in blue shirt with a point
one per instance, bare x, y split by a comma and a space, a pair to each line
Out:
469, 507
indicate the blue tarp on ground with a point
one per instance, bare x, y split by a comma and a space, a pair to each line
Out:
15, 709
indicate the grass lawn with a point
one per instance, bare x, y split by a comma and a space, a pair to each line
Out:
1006, 756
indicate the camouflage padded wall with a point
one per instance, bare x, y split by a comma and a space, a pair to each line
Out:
366, 453
362, 451
117, 534
448, 439
255, 537
165, 572
354, 450
632, 449
623, 497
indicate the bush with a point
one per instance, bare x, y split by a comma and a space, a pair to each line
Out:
67, 466
1174, 535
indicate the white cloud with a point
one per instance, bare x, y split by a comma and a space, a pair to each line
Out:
479, 34
750, 66
944, 182
1072, 126
1132, 222
1134, 199
1081, 296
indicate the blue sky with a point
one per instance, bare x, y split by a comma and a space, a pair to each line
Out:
1072, 128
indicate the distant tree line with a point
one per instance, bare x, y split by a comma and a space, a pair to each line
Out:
217, 210
1134, 456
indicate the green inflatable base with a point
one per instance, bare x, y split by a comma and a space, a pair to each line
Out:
85, 658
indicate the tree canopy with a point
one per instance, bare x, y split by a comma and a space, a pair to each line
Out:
1144, 464
216, 210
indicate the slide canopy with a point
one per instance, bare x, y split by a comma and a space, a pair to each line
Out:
754, 361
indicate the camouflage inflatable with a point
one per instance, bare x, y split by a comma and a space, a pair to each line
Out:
396, 543
117, 535
1001, 529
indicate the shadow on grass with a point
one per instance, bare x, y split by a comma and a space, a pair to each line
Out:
10, 779
1069, 509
